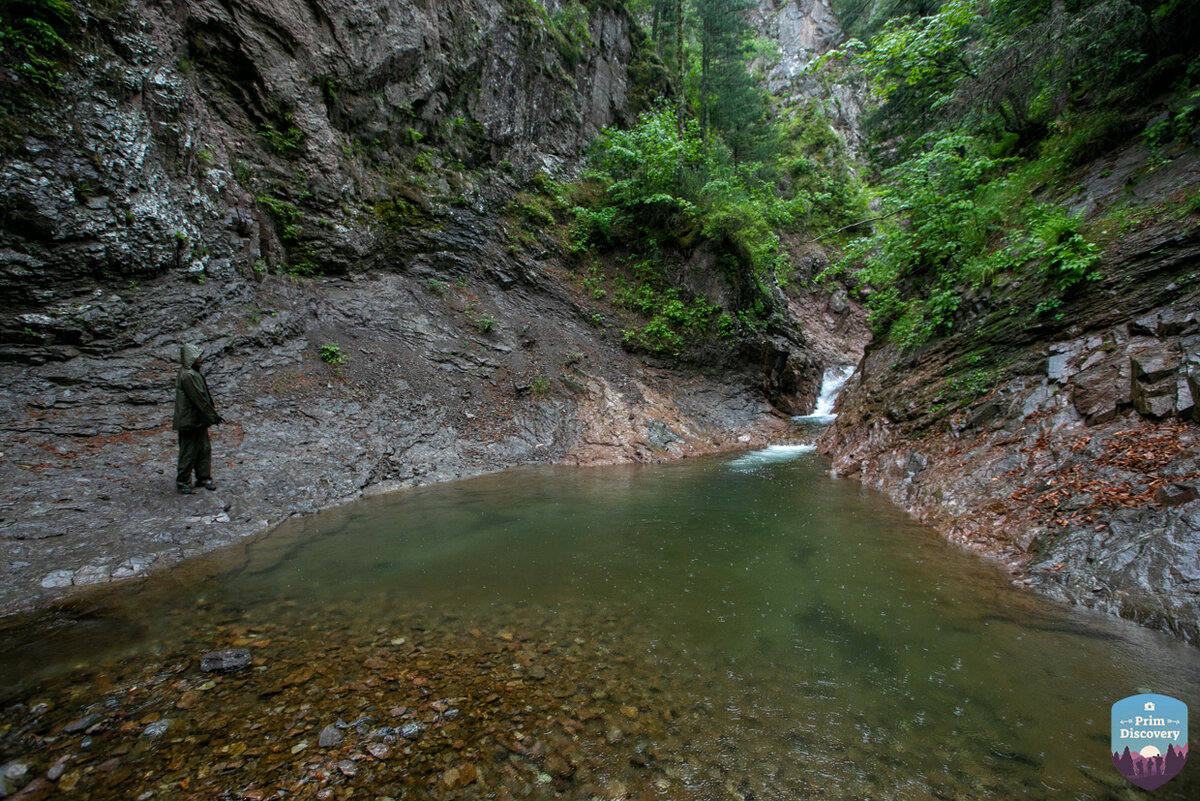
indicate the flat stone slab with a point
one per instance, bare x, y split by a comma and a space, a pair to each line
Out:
228, 661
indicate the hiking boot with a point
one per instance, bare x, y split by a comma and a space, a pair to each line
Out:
183, 489
207, 483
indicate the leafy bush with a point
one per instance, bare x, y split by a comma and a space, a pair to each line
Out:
814, 168
956, 221
672, 321
33, 39
1068, 259
332, 354
665, 182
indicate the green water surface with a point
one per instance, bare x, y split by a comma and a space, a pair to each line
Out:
813, 641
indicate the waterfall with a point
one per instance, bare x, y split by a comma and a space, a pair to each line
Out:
831, 385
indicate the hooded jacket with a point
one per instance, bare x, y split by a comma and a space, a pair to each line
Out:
193, 404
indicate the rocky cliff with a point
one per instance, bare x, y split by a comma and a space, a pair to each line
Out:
328, 197
1067, 445
803, 30
213, 137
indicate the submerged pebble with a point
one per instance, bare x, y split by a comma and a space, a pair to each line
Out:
157, 728
83, 724
227, 661
330, 736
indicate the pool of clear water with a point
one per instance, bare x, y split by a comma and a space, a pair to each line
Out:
731, 627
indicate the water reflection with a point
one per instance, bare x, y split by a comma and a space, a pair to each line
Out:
740, 626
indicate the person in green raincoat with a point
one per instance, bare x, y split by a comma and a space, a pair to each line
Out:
194, 413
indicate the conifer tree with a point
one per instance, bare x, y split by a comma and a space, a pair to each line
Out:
729, 99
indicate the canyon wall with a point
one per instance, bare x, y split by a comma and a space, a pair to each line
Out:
328, 197
1065, 444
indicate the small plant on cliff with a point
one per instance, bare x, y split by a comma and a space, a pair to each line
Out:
284, 139
33, 39
286, 214
482, 321
1068, 258
300, 259
332, 355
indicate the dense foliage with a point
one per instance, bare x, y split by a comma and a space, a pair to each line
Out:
955, 221
984, 107
666, 182
33, 39
664, 185
718, 168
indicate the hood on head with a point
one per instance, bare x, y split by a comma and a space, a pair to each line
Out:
189, 354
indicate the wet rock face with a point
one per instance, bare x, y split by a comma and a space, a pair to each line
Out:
804, 30
202, 151
172, 130
1150, 365
422, 394
1079, 464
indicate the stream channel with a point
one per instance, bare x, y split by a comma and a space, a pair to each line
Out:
735, 627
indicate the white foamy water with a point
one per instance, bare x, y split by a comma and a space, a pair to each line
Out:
772, 454
831, 386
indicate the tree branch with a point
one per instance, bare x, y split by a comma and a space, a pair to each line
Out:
860, 222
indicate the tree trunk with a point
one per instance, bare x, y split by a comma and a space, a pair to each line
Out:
706, 47
679, 67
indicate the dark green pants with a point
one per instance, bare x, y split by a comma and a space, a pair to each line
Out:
195, 453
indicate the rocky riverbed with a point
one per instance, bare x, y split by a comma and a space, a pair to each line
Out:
515, 703
579, 634
428, 708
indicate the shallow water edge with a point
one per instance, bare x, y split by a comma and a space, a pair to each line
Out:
708, 629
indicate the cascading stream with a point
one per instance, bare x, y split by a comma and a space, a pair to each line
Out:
832, 381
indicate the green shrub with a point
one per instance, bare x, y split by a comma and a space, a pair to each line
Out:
816, 170
672, 322
955, 221
332, 354
1067, 258
665, 181
33, 39
285, 138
